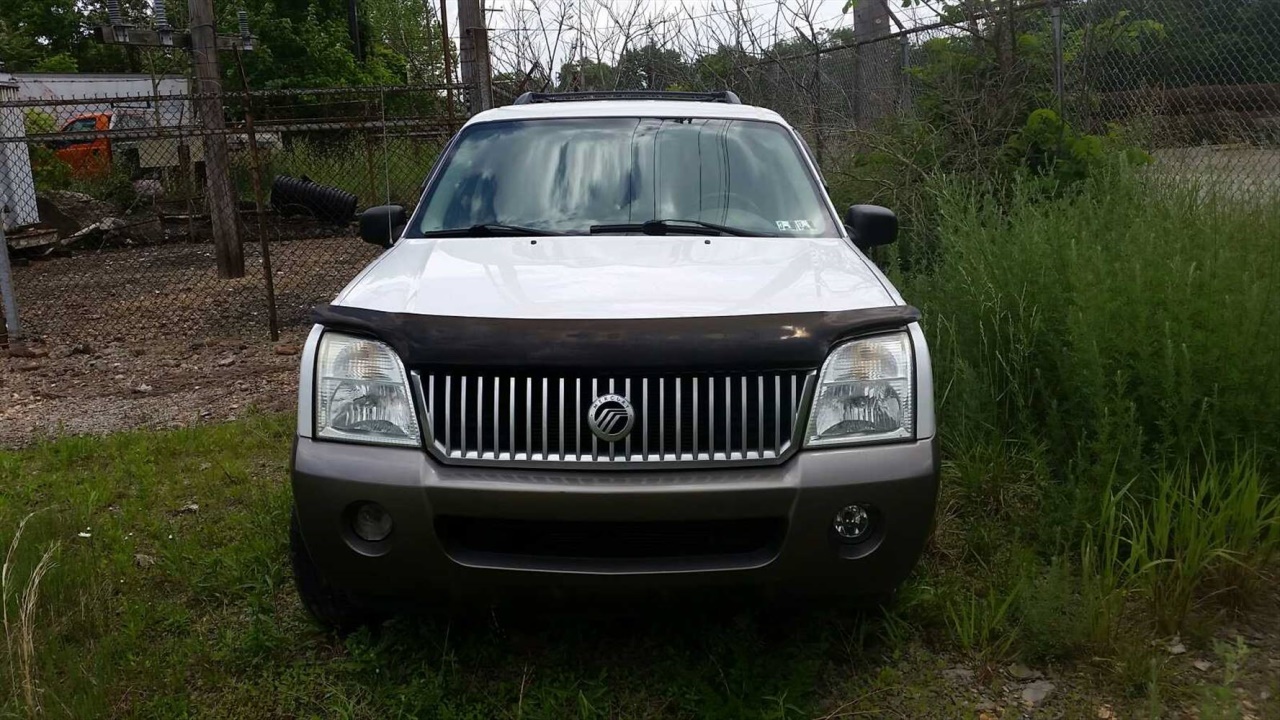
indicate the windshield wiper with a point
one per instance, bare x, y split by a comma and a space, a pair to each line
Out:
675, 227
489, 230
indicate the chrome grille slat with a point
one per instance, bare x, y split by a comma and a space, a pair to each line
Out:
777, 403
678, 433
696, 427
728, 417
644, 417
662, 418
626, 392
448, 403
595, 450
760, 405
711, 418
464, 415
545, 431
489, 418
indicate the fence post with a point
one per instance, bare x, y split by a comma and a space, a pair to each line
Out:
223, 212
819, 148
1055, 14
904, 101
11, 325
268, 275
473, 54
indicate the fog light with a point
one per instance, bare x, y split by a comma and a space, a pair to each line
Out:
371, 522
852, 522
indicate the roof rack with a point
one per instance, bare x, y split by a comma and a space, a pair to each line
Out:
721, 96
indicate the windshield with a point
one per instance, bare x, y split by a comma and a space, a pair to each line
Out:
567, 175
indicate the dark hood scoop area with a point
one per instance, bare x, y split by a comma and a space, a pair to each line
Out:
687, 344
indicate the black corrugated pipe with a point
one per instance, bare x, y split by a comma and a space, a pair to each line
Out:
295, 196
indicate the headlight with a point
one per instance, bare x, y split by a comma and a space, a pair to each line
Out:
865, 393
362, 393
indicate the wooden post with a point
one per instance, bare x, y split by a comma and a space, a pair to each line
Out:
473, 54
1059, 89
11, 328
876, 64
445, 51
223, 208
268, 275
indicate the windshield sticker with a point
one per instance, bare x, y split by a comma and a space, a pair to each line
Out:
794, 225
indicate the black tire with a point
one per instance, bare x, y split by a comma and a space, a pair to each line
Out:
329, 607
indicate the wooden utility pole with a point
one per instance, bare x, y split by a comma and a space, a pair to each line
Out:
877, 91
223, 208
203, 42
353, 29
473, 53
445, 49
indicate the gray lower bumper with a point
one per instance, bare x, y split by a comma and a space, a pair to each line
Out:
900, 481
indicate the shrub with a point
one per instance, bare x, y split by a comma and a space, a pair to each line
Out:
48, 171
1059, 157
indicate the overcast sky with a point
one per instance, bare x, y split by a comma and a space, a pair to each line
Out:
827, 14
697, 22
826, 11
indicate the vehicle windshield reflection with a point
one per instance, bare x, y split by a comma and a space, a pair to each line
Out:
567, 175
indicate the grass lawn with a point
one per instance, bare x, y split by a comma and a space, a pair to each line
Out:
170, 596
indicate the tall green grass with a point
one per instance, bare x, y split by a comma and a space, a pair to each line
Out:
1118, 330
377, 170
1087, 350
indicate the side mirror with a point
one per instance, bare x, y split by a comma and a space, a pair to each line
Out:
383, 224
871, 225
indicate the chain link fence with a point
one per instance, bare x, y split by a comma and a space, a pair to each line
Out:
111, 221
1195, 83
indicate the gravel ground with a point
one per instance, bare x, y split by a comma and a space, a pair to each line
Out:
95, 389
150, 337
1240, 171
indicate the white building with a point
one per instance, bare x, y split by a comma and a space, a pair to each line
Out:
165, 96
17, 189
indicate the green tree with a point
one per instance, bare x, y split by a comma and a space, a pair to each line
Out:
594, 75
651, 67
409, 30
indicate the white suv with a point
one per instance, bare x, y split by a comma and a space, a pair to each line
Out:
624, 342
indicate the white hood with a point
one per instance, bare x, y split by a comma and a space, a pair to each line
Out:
617, 277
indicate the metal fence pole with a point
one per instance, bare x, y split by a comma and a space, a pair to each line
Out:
1055, 14
904, 102
817, 106
11, 324
268, 275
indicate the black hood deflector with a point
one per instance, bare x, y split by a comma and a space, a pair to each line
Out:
738, 342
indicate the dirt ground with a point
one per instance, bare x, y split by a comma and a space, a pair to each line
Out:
95, 389
150, 337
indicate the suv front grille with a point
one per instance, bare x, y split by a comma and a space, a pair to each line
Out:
491, 418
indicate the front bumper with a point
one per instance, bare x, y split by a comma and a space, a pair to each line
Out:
425, 558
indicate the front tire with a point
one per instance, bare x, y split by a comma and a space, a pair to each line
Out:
329, 607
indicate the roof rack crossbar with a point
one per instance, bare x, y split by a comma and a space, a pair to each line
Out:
721, 96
